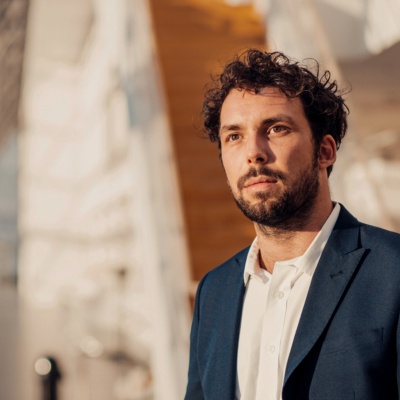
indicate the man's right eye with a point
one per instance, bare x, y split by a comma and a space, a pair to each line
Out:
232, 137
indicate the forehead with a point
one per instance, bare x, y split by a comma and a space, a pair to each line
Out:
268, 101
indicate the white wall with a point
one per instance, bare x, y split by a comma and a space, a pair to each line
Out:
103, 265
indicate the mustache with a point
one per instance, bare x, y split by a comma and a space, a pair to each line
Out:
254, 172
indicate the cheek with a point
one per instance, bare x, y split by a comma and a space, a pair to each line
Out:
232, 170
297, 157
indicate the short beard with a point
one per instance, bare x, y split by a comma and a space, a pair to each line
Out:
291, 210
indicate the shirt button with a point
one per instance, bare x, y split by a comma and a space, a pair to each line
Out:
279, 295
271, 348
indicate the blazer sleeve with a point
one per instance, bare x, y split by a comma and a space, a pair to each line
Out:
194, 390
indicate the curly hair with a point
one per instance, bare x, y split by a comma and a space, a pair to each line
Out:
254, 70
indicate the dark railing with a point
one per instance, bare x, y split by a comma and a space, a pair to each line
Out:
49, 374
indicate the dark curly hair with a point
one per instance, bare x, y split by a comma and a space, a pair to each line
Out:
254, 70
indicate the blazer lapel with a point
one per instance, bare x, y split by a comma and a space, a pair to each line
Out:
339, 260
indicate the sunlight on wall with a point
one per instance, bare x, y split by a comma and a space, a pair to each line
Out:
103, 262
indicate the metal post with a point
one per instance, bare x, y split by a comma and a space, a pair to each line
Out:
49, 373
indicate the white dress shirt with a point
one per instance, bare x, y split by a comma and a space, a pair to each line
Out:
271, 312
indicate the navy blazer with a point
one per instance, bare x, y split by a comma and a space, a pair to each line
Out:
347, 342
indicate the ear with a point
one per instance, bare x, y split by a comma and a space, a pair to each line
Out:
327, 152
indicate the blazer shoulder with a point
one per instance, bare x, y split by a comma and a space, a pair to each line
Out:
373, 236
382, 253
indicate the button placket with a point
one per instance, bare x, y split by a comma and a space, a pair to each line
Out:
271, 348
273, 324
279, 295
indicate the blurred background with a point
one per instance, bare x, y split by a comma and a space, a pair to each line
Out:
113, 205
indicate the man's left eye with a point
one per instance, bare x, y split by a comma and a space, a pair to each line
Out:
279, 129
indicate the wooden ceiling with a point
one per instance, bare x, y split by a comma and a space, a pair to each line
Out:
194, 37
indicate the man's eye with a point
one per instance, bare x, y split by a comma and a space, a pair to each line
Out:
279, 129
232, 137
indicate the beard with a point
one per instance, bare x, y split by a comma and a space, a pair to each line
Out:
288, 209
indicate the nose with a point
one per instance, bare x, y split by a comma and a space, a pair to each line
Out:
257, 150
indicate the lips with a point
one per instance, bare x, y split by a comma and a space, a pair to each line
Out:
258, 177
260, 180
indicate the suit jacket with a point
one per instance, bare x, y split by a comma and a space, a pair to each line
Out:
347, 342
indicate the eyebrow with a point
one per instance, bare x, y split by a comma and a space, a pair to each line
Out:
279, 118
230, 128
266, 122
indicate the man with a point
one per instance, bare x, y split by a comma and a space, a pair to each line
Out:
311, 309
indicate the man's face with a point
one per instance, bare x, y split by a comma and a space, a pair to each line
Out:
269, 157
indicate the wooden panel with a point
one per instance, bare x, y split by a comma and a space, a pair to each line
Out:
194, 37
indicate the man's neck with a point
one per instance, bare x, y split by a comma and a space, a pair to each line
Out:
283, 244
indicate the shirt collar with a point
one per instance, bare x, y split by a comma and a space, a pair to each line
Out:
306, 263
252, 266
